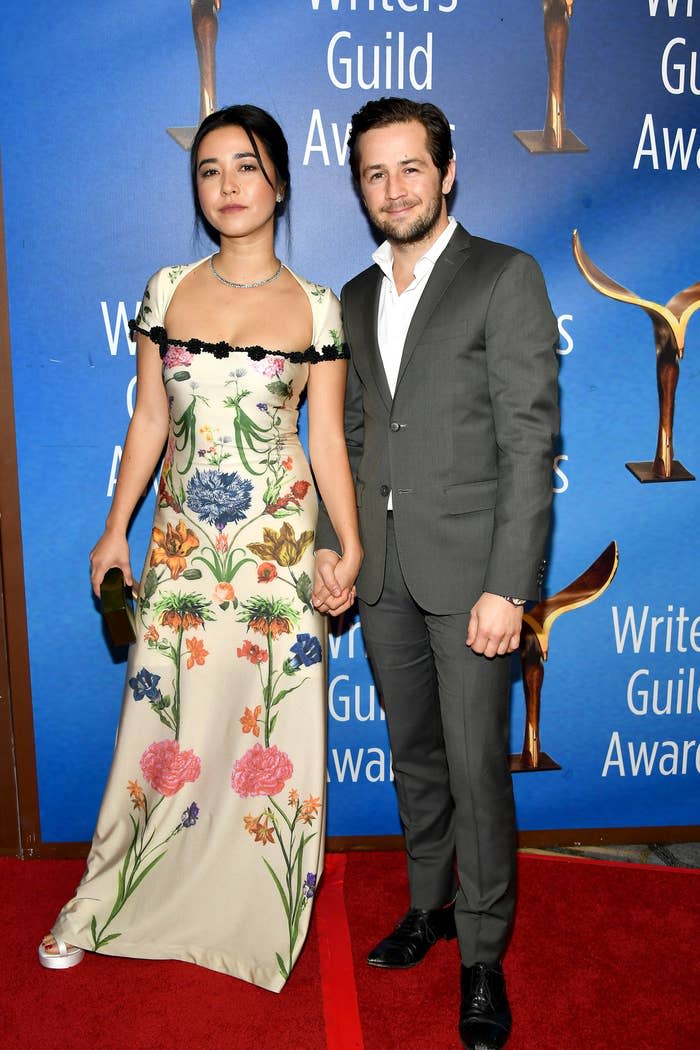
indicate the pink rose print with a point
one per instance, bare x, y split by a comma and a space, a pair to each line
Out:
167, 768
270, 366
177, 355
261, 771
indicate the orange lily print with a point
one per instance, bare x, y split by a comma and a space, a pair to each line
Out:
309, 809
261, 828
252, 652
138, 799
173, 547
197, 652
250, 720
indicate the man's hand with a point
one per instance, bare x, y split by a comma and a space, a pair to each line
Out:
494, 626
328, 594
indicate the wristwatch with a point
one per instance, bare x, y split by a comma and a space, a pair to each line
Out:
515, 601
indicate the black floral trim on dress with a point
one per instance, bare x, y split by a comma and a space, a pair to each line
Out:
158, 335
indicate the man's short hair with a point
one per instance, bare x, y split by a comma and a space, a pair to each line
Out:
382, 112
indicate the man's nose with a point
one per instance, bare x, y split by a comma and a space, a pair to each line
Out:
394, 187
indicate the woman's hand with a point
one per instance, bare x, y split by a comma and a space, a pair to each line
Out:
112, 549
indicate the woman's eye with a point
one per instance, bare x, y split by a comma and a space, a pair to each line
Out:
249, 167
208, 172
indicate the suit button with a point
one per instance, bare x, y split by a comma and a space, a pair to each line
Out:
384, 490
394, 426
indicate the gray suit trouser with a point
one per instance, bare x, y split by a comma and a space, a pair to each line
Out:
447, 713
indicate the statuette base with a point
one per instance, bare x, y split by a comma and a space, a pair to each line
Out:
522, 764
183, 136
537, 142
644, 472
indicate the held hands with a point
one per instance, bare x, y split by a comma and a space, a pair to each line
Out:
334, 581
494, 626
111, 549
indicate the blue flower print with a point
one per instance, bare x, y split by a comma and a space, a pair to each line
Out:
307, 651
189, 817
219, 498
145, 684
309, 887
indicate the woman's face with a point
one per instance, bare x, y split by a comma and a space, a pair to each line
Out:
234, 194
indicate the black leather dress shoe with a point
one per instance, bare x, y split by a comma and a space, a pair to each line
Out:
413, 938
484, 1016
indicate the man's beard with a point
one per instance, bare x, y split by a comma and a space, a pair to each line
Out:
417, 230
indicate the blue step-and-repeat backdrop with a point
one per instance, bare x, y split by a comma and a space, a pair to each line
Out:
96, 198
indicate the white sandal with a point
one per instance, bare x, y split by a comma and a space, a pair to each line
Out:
64, 958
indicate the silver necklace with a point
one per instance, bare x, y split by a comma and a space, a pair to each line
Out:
247, 284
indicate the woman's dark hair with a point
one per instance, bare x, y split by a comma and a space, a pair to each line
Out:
384, 111
257, 124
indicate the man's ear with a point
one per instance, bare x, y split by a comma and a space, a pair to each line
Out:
448, 181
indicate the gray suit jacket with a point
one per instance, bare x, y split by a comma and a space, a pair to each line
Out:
465, 445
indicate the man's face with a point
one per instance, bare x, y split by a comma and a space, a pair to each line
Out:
403, 191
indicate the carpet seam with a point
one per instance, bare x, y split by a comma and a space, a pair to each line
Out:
341, 1011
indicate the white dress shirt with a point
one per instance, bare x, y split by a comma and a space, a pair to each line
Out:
396, 310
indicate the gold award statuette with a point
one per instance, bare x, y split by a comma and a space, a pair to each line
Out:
555, 136
670, 323
534, 650
205, 26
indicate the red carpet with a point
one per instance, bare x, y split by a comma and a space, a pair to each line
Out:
603, 956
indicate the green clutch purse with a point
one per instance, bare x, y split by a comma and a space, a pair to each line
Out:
117, 609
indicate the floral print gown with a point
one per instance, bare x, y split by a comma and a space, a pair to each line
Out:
209, 841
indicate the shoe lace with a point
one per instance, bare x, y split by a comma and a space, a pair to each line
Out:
415, 922
481, 992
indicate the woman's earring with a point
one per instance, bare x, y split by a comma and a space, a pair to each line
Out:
279, 198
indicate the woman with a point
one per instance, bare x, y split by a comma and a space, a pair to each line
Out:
209, 841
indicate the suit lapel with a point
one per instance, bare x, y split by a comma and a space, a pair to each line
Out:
370, 312
444, 272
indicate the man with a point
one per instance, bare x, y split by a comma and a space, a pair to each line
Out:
450, 417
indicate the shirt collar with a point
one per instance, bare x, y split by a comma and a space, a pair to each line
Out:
384, 255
